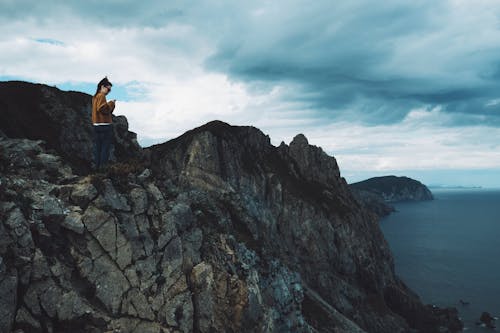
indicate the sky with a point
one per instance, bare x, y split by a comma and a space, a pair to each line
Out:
392, 87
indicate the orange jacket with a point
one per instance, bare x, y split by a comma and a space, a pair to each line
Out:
101, 110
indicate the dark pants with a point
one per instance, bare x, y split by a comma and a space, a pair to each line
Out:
103, 135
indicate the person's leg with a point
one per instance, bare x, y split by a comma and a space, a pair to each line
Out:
107, 137
97, 146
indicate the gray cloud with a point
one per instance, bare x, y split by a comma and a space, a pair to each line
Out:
122, 13
350, 60
343, 58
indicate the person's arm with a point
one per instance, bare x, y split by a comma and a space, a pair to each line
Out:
103, 106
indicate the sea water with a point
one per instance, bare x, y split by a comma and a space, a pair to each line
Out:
448, 250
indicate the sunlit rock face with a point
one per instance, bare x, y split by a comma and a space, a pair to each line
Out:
215, 231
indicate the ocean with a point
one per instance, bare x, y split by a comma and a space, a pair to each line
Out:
448, 250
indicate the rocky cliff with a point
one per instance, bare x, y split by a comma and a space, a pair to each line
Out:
374, 202
215, 231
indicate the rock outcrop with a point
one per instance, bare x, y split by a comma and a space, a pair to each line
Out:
62, 120
374, 202
215, 231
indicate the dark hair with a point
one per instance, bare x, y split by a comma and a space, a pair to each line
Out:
104, 82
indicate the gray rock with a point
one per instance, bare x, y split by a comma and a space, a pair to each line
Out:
144, 175
135, 304
110, 283
146, 271
171, 263
156, 195
31, 300
6, 240
147, 327
47, 207
144, 234
94, 218
3, 268
26, 320
41, 269
139, 199
178, 311
83, 194
191, 244
114, 199
50, 295
8, 301
15, 220
313, 163
168, 231
182, 216
73, 222
128, 226
71, 307
106, 231
202, 278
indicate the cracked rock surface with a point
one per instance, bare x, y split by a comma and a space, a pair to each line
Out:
85, 256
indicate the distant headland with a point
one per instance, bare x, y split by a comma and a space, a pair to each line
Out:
377, 193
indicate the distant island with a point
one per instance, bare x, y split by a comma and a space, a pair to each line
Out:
377, 193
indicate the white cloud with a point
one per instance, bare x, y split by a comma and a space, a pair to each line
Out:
421, 142
363, 60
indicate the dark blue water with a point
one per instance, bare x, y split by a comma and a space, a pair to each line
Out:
449, 249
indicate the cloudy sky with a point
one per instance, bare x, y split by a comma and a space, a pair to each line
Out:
392, 87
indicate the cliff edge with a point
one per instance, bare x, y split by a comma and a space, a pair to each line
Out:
214, 231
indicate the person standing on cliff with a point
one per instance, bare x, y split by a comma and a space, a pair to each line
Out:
102, 121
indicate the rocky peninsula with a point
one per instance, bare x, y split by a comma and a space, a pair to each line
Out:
378, 193
214, 231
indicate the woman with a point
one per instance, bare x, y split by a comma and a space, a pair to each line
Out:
101, 119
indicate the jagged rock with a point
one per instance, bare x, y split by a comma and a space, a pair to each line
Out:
182, 216
71, 307
373, 202
26, 321
487, 320
113, 199
144, 175
128, 325
313, 163
109, 281
8, 300
139, 200
135, 304
41, 269
105, 230
83, 193
202, 277
191, 245
73, 222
